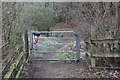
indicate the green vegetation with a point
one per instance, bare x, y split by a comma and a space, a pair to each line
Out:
47, 47
58, 34
56, 48
39, 16
64, 56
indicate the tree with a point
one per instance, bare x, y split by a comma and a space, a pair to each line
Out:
38, 16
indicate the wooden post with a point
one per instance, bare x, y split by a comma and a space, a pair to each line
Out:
93, 45
93, 62
26, 45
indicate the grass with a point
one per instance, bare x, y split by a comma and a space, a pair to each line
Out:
47, 47
64, 56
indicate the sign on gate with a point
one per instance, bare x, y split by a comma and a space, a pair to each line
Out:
33, 43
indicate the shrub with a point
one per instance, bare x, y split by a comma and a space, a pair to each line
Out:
38, 16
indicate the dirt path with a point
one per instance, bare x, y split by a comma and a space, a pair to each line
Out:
44, 69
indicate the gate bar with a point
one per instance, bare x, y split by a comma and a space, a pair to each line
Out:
54, 52
54, 59
52, 31
53, 38
56, 44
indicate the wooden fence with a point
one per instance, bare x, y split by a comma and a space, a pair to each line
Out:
14, 45
104, 48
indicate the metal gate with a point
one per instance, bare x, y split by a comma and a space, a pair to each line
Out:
75, 36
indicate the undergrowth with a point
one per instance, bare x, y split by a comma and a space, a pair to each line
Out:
55, 48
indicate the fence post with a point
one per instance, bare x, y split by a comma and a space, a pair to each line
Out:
77, 46
26, 45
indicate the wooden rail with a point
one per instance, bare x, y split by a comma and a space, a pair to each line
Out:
106, 55
106, 41
15, 63
102, 54
13, 66
10, 58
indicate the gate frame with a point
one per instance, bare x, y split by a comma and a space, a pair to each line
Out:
77, 35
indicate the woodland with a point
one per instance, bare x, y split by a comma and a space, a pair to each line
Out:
97, 26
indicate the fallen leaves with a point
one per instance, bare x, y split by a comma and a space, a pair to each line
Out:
107, 74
